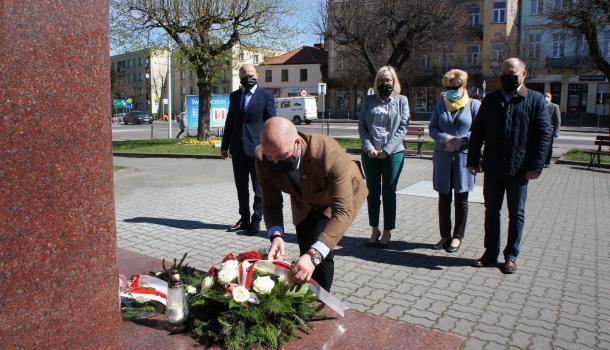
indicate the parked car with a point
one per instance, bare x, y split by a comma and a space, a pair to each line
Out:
137, 117
118, 118
297, 109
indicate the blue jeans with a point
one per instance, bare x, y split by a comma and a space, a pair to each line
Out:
494, 188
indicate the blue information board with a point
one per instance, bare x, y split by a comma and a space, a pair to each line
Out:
219, 108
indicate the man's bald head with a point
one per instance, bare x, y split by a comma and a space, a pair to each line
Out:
513, 65
248, 69
278, 138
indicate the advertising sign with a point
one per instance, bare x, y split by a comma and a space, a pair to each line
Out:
219, 108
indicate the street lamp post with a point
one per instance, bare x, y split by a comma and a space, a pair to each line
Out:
169, 94
322, 96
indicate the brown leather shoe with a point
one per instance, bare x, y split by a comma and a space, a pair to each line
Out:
484, 261
509, 267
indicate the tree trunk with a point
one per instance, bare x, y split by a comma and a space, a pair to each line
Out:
205, 96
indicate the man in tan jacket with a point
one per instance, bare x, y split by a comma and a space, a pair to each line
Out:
326, 189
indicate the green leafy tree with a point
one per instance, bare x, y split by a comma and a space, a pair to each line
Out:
203, 31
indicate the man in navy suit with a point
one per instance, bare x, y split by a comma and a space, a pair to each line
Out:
249, 108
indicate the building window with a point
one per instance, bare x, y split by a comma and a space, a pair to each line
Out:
241, 56
192, 90
303, 75
474, 16
560, 4
182, 90
536, 7
559, 42
534, 43
133, 62
473, 54
497, 53
256, 59
447, 61
606, 44
140, 61
284, 74
182, 75
268, 76
190, 74
425, 62
112, 66
499, 13
582, 47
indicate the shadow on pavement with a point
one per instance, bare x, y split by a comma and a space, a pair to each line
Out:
398, 253
184, 224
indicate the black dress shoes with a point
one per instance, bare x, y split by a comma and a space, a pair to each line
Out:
253, 229
239, 226
484, 261
454, 246
509, 267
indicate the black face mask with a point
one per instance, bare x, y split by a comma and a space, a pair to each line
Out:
247, 82
385, 90
510, 83
286, 165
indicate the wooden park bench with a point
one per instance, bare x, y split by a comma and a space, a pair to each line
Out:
419, 141
600, 141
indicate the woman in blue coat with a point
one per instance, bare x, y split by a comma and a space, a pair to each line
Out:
450, 128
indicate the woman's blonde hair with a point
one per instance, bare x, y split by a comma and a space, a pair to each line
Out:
380, 73
457, 74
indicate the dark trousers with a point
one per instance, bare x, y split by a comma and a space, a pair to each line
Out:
243, 169
444, 214
180, 133
308, 232
550, 154
494, 188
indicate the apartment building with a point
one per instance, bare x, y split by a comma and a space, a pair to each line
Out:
295, 73
141, 76
559, 62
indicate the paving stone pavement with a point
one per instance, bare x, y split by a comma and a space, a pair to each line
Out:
558, 299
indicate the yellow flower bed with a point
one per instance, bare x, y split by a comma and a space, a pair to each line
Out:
194, 141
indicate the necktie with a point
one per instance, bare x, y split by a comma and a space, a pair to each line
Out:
244, 103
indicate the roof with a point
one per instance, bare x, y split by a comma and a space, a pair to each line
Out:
302, 55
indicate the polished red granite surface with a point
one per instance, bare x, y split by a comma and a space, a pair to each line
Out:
58, 281
356, 331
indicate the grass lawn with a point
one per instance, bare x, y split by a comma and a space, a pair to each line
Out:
166, 146
117, 167
580, 155
162, 146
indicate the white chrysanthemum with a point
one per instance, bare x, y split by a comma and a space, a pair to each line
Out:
241, 294
263, 285
190, 289
207, 283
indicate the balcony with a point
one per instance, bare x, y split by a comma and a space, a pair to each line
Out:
568, 62
474, 31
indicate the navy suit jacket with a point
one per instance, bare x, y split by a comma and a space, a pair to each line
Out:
243, 128
516, 134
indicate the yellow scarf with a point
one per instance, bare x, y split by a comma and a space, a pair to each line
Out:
453, 106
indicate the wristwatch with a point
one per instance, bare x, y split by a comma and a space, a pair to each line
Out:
316, 257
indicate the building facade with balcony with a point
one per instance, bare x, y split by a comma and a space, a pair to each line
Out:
559, 62
140, 76
295, 73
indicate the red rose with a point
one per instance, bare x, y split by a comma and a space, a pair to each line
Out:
250, 255
229, 256
213, 271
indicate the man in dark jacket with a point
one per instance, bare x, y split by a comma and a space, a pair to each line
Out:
555, 123
514, 125
249, 108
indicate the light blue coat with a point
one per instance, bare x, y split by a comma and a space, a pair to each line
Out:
399, 121
441, 126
